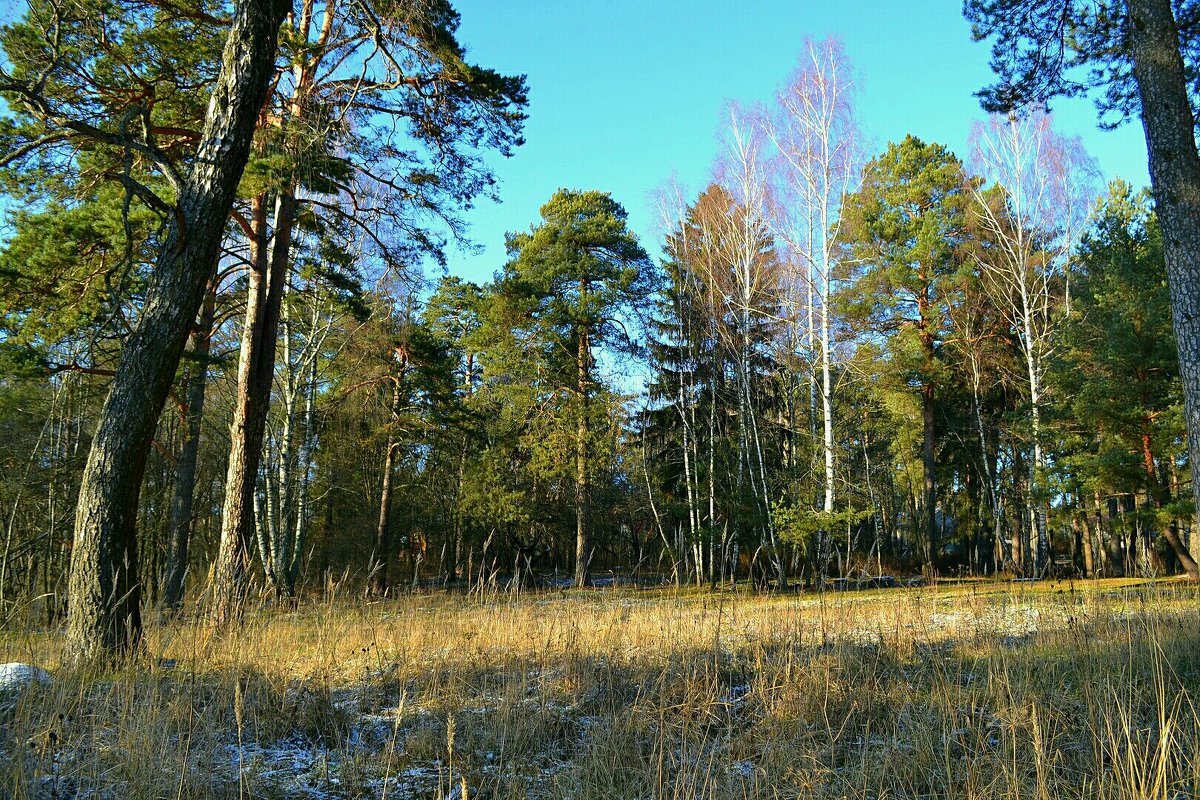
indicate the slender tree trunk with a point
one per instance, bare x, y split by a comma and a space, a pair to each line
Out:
451, 566
991, 490
381, 552
827, 399
929, 465
712, 485
184, 490
1037, 514
104, 615
1019, 537
256, 371
583, 490
296, 553
1162, 82
813, 349
1101, 547
1089, 539
284, 475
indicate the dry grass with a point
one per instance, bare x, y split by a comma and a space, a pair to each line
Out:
971, 691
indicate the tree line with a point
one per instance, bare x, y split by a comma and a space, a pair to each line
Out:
224, 368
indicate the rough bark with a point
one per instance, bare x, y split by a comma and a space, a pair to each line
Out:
256, 372
238, 513
1101, 551
183, 492
104, 616
1158, 70
1194, 540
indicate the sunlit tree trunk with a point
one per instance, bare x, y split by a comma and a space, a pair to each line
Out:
1162, 82
256, 371
816, 137
105, 591
308, 442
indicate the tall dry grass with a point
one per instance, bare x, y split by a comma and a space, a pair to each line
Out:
972, 691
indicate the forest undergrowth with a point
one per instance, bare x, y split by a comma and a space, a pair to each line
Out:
970, 690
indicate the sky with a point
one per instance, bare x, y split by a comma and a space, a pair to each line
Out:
625, 94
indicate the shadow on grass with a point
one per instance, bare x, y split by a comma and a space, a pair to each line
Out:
1100, 706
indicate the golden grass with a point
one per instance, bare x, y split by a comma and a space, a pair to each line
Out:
971, 690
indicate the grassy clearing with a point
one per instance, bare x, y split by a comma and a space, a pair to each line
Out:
971, 691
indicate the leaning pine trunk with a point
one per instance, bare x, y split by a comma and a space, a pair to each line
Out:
104, 616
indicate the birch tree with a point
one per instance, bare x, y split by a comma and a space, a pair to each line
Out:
678, 352
1032, 216
1134, 51
746, 272
819, 155
281, 510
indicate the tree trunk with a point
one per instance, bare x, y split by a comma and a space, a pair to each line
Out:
1158, 492
104, 615
1161, 78
1089, 556
1019, 539
256, 372
583, 490
300, 535
184, 491
1194, 540
381, 552
1040, 544
453, 566
1101, 551
283, 476
930, 468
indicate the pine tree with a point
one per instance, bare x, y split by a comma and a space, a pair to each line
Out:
579, 276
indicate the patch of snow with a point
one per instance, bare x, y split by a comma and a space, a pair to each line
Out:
15, 678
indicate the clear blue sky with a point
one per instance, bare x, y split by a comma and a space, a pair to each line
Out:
624, 93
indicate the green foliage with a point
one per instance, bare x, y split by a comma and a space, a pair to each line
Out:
129, 80
573, 284
797, 525
66, 274
1041, 49
581, 272
1119, 361
908, 239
